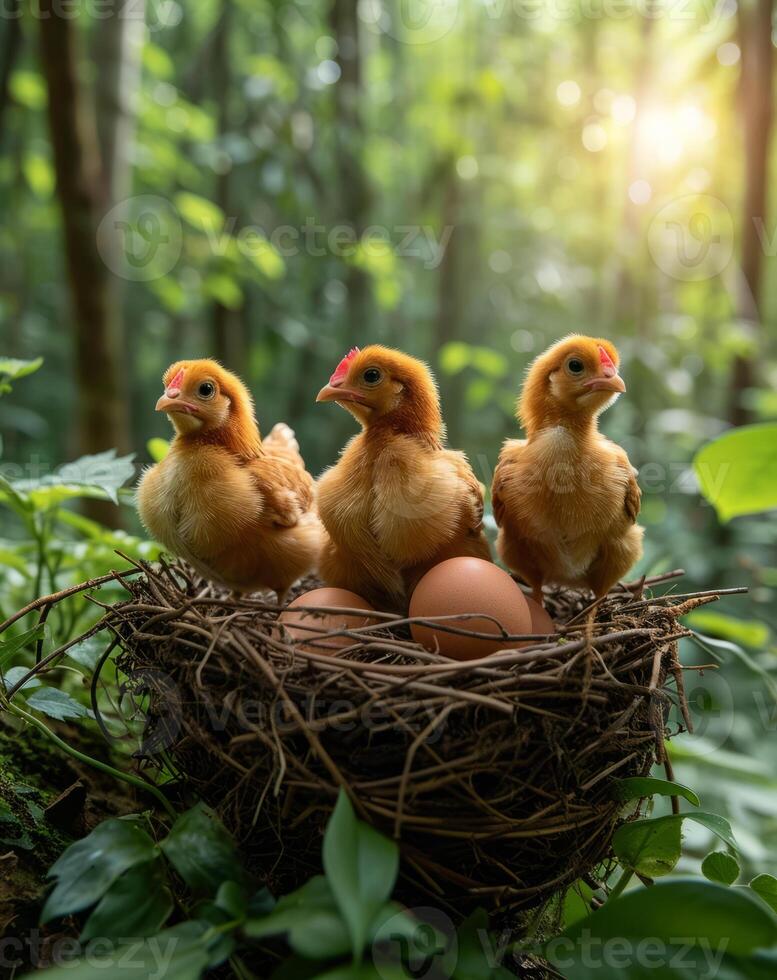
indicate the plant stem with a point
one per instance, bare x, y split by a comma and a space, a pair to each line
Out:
126, 777
620, 884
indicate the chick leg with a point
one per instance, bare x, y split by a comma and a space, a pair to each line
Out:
524, 556
614, 560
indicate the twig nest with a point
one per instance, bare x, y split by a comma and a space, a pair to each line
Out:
495, 776
462, 587
304, 619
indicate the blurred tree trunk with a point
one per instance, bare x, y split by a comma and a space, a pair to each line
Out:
12, 42
229, 335
117, 54
354, 191
757, 100
83, 193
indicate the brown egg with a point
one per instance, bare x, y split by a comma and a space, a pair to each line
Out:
318, 624
540, 620
468, 585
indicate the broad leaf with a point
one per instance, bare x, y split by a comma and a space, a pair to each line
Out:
638, 787
310, 919
202, 852
475, 959
361, 866
14, 674
749, 632
766, 886
137, 904
88, 868
12, 368
88, 652
11, 646
653, 847
57, 704
711, 916
100, 475
721, 867
737, 472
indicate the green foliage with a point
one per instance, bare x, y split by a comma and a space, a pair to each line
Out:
721, 867
653, 847
361, 868
766, 886
639, 787
201, 851
711, 917
737, 473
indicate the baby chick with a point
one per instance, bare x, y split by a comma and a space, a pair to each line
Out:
239, 509
566, 498
397, 502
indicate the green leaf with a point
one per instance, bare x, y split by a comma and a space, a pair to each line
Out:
28, 89
231, 897
749, 632
88, 652
708, 914
137, 904
361, 866
88, 868
200, 213
14, 674
721, 867
12, 368
639, 787
183, 952
454, 357
99, 475
737, 473
202, 852
225, 290
39, 174
766, 886
57, 704
309, 916
474, 961
653, 847
158, 449
10, 647
263, 256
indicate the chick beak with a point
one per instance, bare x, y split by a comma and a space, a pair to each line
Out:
609, 382
336, 393
172, 402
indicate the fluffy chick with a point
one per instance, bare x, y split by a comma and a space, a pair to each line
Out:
240, 509
397, 502
566, 498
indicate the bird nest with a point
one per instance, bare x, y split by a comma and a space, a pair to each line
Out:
494, 775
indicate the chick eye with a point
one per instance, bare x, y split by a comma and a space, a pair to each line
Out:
372, 376
575, 365
206, 390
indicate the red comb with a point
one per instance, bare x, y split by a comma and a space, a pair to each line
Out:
342, 368
177, 380
605, 360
